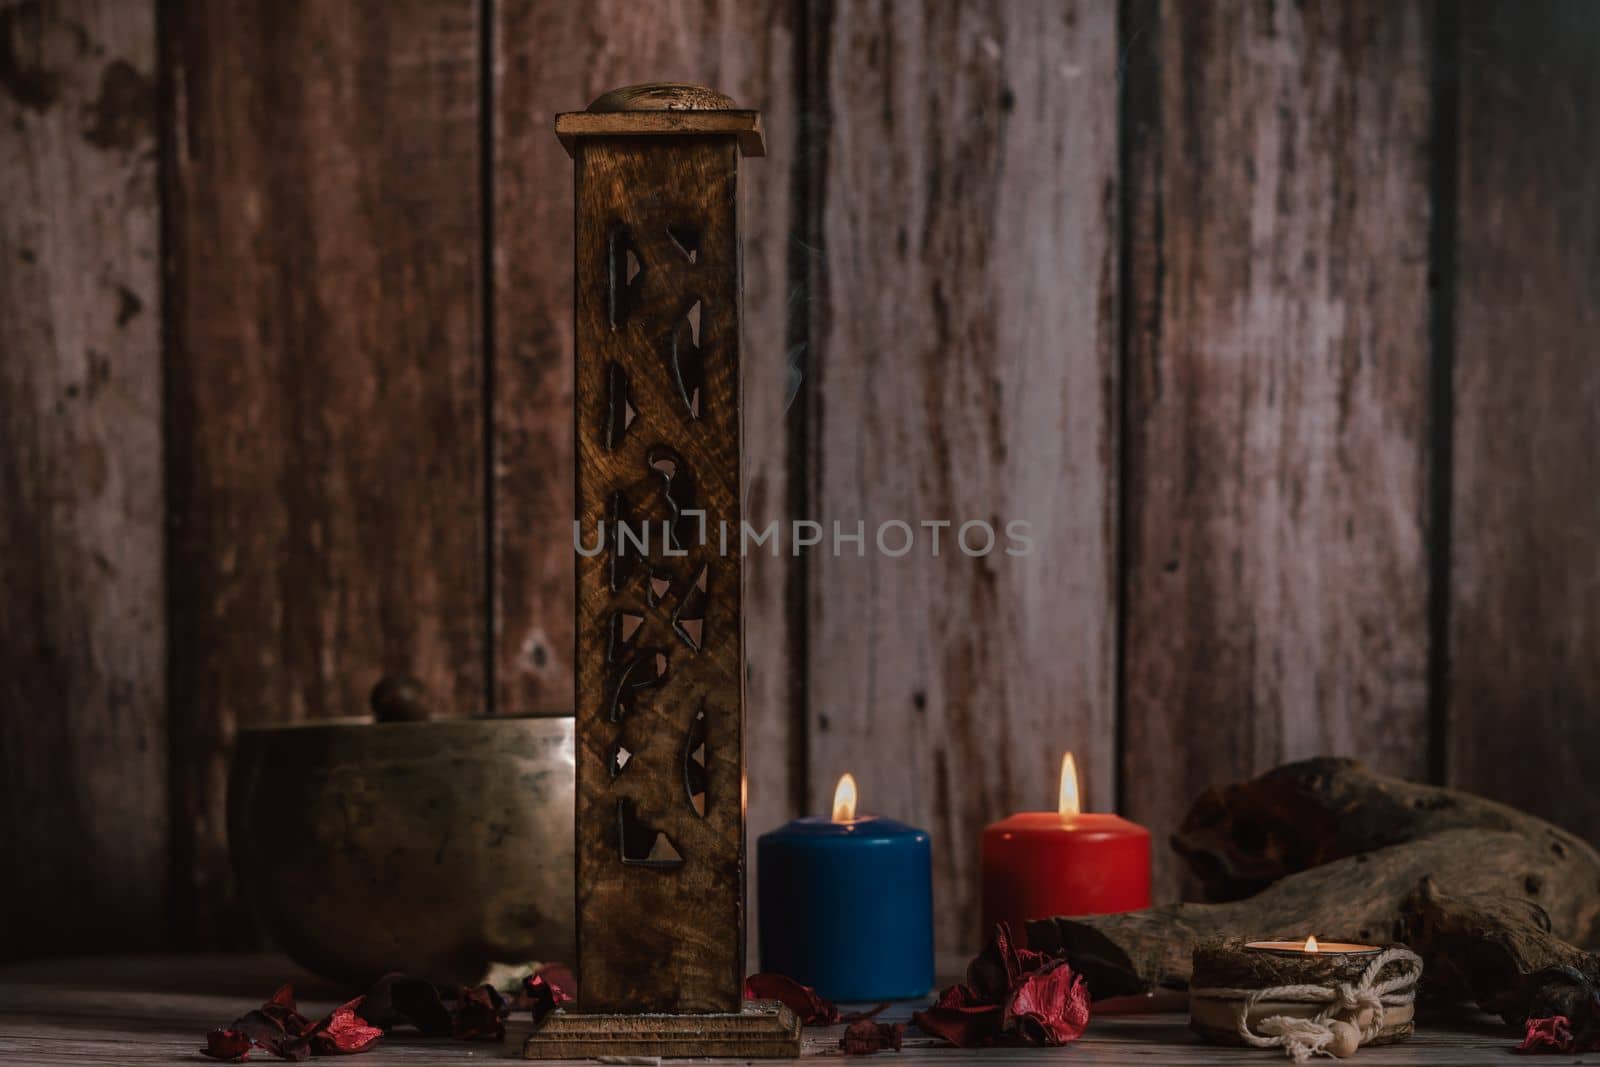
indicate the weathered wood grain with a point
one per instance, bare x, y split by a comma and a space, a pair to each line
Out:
660, 696
1276, 492
550, 54
964, 363
83, 755
1524, 691
1500, 953
325, 419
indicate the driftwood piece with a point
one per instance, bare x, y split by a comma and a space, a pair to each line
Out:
1238, 839
1501, 953
1359, 899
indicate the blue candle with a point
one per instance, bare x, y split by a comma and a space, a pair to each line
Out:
847, 904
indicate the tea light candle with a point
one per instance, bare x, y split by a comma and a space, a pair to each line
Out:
1312, 946
847, 904
1288, 994
1064, 862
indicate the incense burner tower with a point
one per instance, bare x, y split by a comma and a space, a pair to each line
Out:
660, 666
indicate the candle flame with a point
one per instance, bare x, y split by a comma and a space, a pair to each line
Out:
844, 799
1311, 945
1069, 786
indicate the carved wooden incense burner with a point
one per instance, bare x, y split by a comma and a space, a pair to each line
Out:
660, 703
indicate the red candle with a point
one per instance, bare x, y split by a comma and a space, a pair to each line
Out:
1065, 862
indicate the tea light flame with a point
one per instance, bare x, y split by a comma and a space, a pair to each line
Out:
1311, 945
844, 799
1069, 786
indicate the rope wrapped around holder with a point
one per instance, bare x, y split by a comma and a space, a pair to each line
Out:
1353, 1013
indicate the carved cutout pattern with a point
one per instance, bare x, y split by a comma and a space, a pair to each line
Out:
627, 281
688, 622
648, 532
620, 412
643, 845
696, 779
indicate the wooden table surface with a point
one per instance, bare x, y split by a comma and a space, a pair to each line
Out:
156, 1009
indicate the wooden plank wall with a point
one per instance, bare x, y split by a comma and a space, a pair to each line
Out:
1524, 608
324, 403
83, 712
1272, 320
1277, 453
964, 369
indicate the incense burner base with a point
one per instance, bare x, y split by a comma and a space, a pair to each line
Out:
765, 1029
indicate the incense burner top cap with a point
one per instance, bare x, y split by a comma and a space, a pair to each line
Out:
662, 96
663, 109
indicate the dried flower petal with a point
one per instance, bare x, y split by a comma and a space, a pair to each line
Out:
811, 1009
260, 1028
1049, 1008
276, 1026
273, 1034
864, 1037
1010, 994
344, 1032
995, 971
480, 1014
396, 998
294, 1048
1553, 1034
540, 997
282, 1009
961, 1017
560, 976
230, 1045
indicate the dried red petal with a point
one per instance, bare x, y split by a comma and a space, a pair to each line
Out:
480, 1014
962, 1017
1552, 1034
811, 1009
962, 998
540, 997
273, 1033
276, 1026
396, 998
1010, 992
282, 1010
1050, 1008
293, 1048
344, 1033
230, 1045
994, 973
561, 976
864, 1037
259, 1027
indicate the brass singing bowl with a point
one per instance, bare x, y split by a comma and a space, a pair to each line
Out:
433, 848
